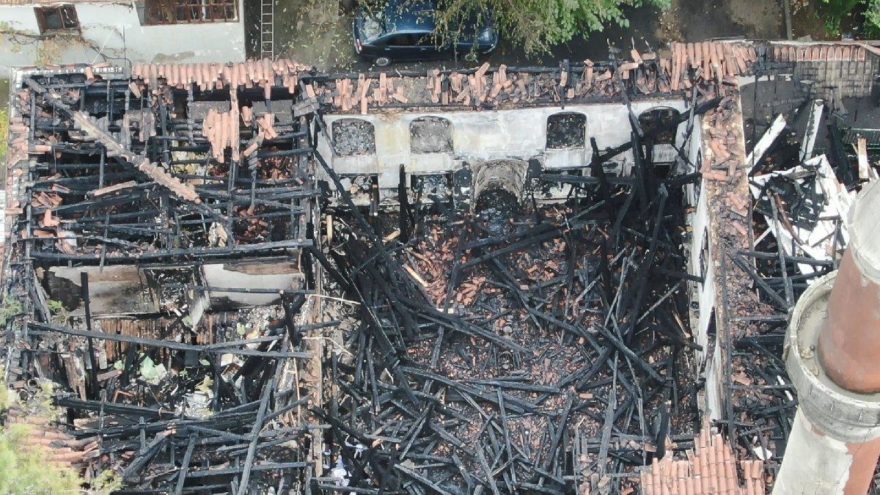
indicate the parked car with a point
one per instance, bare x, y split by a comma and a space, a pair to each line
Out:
406, 31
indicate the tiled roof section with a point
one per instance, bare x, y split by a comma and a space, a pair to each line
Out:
677, 69
17, 152
53, 445
53, 2
253, 73
645, 73
711, 469
714, 60
836, 52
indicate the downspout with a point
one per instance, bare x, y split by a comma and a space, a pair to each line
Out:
832, 356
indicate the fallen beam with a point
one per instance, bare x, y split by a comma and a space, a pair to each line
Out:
767, 140
116, 149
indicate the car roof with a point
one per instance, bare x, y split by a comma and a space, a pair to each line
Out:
410, 15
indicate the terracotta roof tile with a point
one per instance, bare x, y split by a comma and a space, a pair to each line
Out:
709, 469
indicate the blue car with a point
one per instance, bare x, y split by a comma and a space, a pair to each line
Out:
404, 31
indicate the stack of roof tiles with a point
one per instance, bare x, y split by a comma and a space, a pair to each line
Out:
710, 469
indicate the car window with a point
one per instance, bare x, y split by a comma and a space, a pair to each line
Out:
427, 40
404, 40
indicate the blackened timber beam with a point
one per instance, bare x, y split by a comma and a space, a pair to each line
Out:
115, 149
184, 465
167, 344
244, 486
269, 466
586, 180
112, 408
180, 253
93, 360
682, 117
421, 479
645, 268
132, 471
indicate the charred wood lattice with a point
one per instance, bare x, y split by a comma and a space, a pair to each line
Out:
499, 355
117, 173
798, 208
208, 425
122, 174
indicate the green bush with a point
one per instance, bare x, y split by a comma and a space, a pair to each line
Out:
9, 309
872, 19
23, 466
24, 470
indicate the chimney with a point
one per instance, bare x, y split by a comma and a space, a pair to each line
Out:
832, 355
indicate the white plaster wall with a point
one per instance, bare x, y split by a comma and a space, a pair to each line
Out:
19, 18
114, 30
823, 463
713, 376
703, 294
705, 290
487, 135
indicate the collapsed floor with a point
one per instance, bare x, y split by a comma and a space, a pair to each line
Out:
517, 349
507, 326
222, 317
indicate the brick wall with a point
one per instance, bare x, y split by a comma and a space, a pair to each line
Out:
838, 70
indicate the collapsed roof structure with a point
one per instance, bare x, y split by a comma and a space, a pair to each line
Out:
574, 279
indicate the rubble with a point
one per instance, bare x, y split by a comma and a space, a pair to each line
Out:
230, 304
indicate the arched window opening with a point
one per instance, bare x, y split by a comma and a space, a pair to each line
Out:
352, 137
659, 125
566, 130
430, 135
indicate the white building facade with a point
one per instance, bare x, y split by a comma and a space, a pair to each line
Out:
47, 32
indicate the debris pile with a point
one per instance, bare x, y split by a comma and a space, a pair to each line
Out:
89, 203
804, 171
492, 353
174, 258
161, 277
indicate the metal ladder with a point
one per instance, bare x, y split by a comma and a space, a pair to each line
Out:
267, 29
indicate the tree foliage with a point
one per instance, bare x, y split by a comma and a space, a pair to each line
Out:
4, 134
833, 13
872, 18
534, 25
24, 469
539, 25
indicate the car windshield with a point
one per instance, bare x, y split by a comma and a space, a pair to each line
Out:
372, 28
416, 16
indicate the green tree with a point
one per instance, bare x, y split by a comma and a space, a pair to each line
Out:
535, 25
834, 11
872, 18
4, 135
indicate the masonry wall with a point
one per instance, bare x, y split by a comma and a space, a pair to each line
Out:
702, 294
838, 70
113, 32
519, 134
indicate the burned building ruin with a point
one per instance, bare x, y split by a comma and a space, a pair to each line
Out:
257, 277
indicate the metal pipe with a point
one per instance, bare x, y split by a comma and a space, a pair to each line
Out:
831, 354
